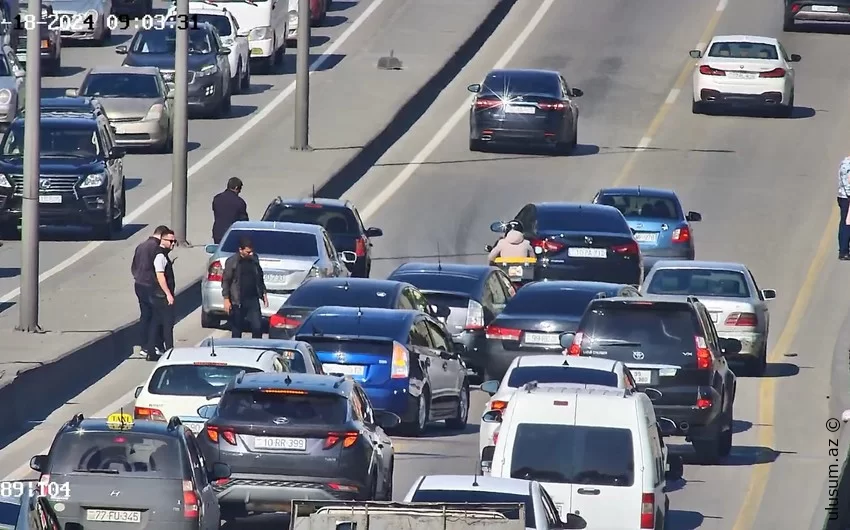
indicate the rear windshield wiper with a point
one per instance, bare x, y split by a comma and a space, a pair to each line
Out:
101, 471
615, 342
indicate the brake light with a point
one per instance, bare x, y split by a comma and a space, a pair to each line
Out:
145, 413
286, 391
348, 439
214, 274
681, 235
707, 70
282, 322
742, 319
647, 510
336, 486
206, 363
775, 73
215, 432
703, 355
474, 316
546, 245
703, 403
499, 333
498, 405
401, 362
628, 248
486, 103
360, 246
551, 106
575, 347
312, 205
191, 505
795, 8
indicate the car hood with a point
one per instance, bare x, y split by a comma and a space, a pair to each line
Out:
54, 166
165, 61
118, 108
74, 6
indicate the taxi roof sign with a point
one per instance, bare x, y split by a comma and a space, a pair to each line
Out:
119, 420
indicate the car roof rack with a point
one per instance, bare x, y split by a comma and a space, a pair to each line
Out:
76, 419
174, 422
340, 381
692, 299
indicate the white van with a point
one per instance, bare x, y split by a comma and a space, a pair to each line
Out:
596, 451
264, 22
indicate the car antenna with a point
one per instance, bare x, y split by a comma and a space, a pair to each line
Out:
345, 286
314, 194
475, 478
212, 347
439, 260
287, 380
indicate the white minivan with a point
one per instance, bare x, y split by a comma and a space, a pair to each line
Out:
264, 22
597, 452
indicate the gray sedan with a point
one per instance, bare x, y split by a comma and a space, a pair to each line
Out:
12, 77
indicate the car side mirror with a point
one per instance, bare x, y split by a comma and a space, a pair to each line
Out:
121, 50
211, 249
491, 386
675, 467
374, 232
220, 471
20, 73
459, 347
71, 92
386, 419
447, 355
138, 391
652, 393
574, 522
795, 58
566, 339
576, 92
39, 463
488, 248
476, 88
224, 51
768, 294
492, 416
117, 152
441, 311
347, 256
497, 227
208, 411
730, 346
694, 217
667, 427
695, 54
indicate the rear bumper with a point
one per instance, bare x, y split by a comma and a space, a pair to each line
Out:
689, 420
212, 302
142, 133
274, 493
806, 14
598, 271
752, 344
498, 358
734, 99
81, 524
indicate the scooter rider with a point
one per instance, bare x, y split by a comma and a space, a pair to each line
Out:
513, 244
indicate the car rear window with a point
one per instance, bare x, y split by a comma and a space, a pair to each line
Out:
194, 380
585, 220
663, 333
263, 406
458, 308
318, 293
336, 221
561, 374
9, 512
351, 325
478, 496
642, 206
599, 456
560, 302
699, 282
440, 282
744, 50
512, 84
300, 244
117, 453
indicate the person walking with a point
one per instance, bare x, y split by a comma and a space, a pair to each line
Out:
162, 299
228, 207
143, 279
242, 288
844, 209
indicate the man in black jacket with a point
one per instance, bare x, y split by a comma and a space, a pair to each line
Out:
228, 207
163, 295
144, 278
242, 287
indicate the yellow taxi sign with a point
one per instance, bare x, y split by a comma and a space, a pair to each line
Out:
119, 421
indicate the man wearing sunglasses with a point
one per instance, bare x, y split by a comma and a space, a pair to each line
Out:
162, 299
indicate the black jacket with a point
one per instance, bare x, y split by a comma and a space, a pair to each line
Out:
233, 271
228, 207
169, 276
142, 267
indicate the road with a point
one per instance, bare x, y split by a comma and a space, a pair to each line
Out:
765, 188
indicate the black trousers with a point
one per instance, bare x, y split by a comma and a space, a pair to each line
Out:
246, 313
163, 322
843, 228
146, 322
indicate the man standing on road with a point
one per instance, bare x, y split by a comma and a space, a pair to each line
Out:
228, 207
162, 299
844, 208
144, 278
242, 288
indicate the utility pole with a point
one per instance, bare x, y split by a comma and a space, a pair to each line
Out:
180, 134
302, 79
32, 153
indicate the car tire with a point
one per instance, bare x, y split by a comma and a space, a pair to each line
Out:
225, 106
787, 111
423, 412
476, 145
388, 491
697, 108
54, 67
278, 55
10, 231
245, 82
788, 25
724, 441
758, 365
459, 421
707, 449
208, 321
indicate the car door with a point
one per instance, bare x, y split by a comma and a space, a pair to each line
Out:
452, 370
420, 342
762, 308
167, 103
200, 468
115, 166
385, 443
332, 260
15, 67
786, 63
568, 101
222, 60
359, 414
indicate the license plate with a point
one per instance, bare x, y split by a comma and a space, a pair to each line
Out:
344, 369
50, 199
519, 109
286, 444
714, 316
646, 237
825, 9
275, 278
642, 377
515, 271
587, 252
256, 51
114, 516
742, 75
195, 427
542, 338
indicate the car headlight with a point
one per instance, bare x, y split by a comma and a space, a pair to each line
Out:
94, 180
315, 272
209, 69
5, 96
260, 33
293, 19
4, 181
155, 112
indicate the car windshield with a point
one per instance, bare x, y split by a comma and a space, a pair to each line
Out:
599, 456
436, 281
513, 84
202, 379
274, 242
743, 50
337, 221
117, 453
318, 293
561, 374
164, 41
9, 512
55, 141
581, 220
643, 206
560, 302
264, 406
479, 496
121, 86
699, 282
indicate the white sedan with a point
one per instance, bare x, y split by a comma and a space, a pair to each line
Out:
742, 70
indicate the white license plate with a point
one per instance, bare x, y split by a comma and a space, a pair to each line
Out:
344, 369
519, 109
542, 338
515, 271
646, 237
714, 316
114, 516
825, 9
194, 426
275, 278
642, 377
286, 444
575, 252
50, 199
741, 75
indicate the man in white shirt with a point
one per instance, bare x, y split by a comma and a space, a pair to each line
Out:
162, 298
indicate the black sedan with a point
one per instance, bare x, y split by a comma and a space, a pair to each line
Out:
533, 320
585, 242
524, 106
339, 218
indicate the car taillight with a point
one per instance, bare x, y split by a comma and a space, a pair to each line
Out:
486, 103
145, 413
348, 439
498, 405
628, 248
336, 486
500, 333
214, 433
681, 235
707, 70
703, 403
742, 319
776, 72
215, 272
703, 355
647, 510
360, 247
551, 105
191, 505
474, 316
546, 245
575, 347
795, 8
282, 322
400, 363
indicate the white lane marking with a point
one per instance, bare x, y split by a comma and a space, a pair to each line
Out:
721, 6
212, 155
671, 97
644, 143
426, 152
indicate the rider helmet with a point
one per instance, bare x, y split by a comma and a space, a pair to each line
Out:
514, 225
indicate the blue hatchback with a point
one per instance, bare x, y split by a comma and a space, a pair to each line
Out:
661, 227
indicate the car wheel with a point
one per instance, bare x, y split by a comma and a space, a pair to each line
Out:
245, 82
236, 82
278, 55
758, 365
208, 321
787, 111
476, 145
388, 491
123, 201
423, 406
696, 108
724, 441
459, 421
788, 25
707, 449
226, 104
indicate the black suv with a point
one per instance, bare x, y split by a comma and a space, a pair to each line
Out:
117, 470
82, 174
675, 356
302, 436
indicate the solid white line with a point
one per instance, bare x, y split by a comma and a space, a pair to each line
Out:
671, 97
423, 155
212, 155
644, 143
721, 6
